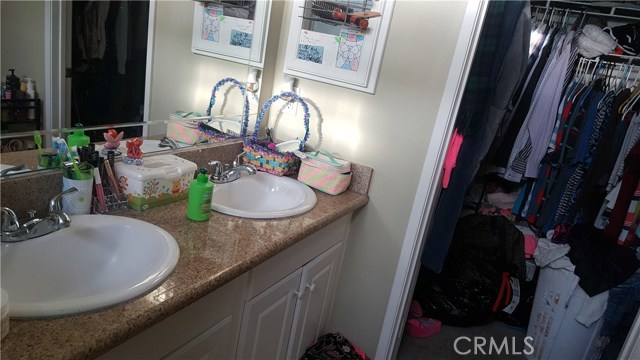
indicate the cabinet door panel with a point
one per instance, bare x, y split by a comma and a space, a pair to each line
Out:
318, 281
267, 320
215, 315
215, 343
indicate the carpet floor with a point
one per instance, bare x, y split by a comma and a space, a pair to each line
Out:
509, 343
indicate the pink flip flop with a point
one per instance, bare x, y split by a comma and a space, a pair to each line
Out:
422, 327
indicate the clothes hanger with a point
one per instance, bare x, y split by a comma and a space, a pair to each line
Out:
633, 99
609, 78
566, 15
629, 71
581, 17
534, 18
544, 16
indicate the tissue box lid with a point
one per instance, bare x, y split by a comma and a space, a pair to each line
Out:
157, 167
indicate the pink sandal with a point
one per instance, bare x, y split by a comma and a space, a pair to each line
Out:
422, 327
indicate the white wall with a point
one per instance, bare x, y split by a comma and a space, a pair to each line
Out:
183, 80
22, 40
388, 131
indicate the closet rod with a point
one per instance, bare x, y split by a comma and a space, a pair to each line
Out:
625, 72
578, 12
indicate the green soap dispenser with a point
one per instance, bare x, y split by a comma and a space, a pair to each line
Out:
78, 138
200, 193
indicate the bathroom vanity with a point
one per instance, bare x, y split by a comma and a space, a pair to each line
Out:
242, 288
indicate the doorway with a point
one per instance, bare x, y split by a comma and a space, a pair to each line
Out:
424, 201
108, 64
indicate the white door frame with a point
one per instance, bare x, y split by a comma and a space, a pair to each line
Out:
54, 62
429, 190
430, 180
57, 35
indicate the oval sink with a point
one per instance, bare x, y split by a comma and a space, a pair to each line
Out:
263, 196
99, 261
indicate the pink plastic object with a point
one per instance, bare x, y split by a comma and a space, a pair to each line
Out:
415, 310
422, 327
113, 139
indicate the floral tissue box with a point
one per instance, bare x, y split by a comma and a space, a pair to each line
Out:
160, 180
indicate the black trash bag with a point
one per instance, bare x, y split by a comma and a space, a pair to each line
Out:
332, 346
469, 290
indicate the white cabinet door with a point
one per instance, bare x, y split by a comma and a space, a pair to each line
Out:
205, 329
317, 288
215, 343
267, 320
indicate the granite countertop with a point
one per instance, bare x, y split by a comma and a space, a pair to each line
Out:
212, 253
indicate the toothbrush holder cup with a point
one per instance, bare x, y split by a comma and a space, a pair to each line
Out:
77, 203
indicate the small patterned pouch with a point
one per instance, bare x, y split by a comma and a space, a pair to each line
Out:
324, 172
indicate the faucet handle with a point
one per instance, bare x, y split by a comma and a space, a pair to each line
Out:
217, 169
238, 160
54, 203
9, 220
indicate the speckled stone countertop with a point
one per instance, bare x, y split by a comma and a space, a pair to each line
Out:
211, 254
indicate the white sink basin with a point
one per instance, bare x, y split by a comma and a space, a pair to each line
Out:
6, 166
263, 196
98, 261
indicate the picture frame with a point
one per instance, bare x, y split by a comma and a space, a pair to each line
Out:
325, 44
230, 32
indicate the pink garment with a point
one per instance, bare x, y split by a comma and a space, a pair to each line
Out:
530, 245
452, 155
530, 240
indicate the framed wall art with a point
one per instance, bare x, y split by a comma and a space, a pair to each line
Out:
340, 42
234, 30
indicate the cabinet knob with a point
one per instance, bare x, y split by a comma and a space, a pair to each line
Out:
299, 294
311, 287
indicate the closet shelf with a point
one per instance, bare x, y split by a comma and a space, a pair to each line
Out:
587, 8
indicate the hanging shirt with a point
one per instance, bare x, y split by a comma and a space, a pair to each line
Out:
631, 138
627, 189
535, 133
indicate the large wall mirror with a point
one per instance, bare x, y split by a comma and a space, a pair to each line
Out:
114, 64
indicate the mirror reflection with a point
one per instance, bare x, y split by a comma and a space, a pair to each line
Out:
49, 155
177, 84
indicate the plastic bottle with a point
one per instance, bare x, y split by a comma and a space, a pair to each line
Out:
200, 193
31, 94
12, 84
78, 139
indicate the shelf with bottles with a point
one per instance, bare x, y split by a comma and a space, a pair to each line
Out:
21, 115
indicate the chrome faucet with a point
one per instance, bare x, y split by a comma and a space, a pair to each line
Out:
168, 142
55, 220
10, 169
224, 173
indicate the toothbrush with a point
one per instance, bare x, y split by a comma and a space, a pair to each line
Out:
111, 176
99, 189
62, 145
37, 139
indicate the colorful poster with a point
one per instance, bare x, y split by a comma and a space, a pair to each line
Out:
349, 50
240, 38
211, 20
311, 53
